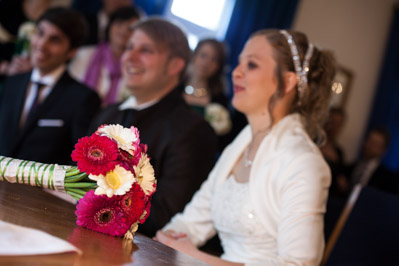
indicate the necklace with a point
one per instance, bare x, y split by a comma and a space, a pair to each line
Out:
247, 162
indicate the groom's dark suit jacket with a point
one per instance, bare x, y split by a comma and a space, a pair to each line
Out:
182, 148
50, 133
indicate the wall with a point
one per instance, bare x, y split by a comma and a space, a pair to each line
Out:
356, 31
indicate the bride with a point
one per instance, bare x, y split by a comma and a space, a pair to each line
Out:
266, 195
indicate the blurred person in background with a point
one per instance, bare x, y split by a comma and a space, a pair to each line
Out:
368, 170
99, 21
99, 66
205, 86
17, 26
44, 112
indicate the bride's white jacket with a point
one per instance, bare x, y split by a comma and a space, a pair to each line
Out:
288, 185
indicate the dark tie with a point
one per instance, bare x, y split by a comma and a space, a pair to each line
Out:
38, 87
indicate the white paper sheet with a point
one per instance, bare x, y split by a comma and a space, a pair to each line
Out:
17, 240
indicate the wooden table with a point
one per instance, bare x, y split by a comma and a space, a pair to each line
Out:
33, 207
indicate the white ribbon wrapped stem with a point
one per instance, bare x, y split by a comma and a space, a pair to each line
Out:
49, 176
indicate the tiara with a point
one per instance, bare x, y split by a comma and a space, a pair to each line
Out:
301, 71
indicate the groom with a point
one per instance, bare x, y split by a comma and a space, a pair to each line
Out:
181, 144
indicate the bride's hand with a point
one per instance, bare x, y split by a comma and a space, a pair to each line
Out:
170, 233
178, 241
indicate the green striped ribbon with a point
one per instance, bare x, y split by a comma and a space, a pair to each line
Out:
1, 170
44, 178
44, 171
50, 182
23, 171
56, 177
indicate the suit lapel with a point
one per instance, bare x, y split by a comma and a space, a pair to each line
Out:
16, 108
20, 93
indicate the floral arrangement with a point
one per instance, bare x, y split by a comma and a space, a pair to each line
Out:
218, 117
113, 181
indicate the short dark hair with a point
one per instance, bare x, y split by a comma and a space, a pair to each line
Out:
69, 21
119, 15
168, 36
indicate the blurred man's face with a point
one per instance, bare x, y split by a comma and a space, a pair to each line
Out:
375, 146
50, 47
145, 66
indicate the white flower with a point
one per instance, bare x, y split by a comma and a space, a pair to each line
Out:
26, 30
115, 182
125, 137
218, 117
144, 173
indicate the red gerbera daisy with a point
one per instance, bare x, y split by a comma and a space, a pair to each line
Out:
95, 154
133, 202
102, 214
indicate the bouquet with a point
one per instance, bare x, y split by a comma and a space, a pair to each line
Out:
113, 181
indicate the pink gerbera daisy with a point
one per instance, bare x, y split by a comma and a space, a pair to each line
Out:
102, 214
95, 154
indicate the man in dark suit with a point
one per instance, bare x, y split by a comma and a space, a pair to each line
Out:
43, 113
181, 144
368, 170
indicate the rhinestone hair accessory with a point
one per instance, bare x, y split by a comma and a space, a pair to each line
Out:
301, 70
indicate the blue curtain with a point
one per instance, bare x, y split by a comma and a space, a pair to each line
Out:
385, 110
152, 7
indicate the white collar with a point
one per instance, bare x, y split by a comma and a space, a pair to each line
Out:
49, 79
131, 103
